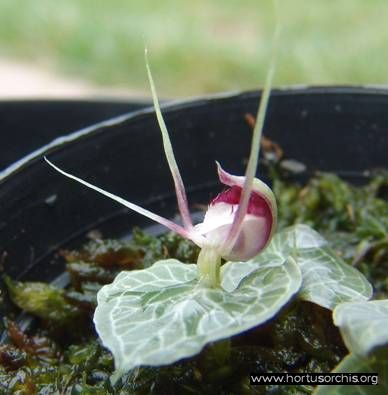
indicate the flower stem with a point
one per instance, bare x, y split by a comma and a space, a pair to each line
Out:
209, 263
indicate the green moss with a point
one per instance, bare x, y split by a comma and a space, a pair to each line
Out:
301, 339
41, 300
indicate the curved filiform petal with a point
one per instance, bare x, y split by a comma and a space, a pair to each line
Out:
146, 213
249, 181
169, 152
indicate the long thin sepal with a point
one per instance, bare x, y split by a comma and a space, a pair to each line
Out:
255, 146
179, 187
157, 218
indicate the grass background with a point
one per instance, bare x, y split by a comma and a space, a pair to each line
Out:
199, 46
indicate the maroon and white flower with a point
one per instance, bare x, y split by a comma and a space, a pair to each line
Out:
239, 222
256, 228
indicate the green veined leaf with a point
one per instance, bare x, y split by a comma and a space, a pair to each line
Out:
279, 250
364, 325
327, 279
376, 363
144, 321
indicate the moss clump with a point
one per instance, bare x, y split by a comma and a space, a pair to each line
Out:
65, 356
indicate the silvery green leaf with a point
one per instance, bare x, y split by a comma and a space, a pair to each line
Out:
300, 237
295, 238
327, 279
364, 329
364, 325
162, 274
377, 364
282, 246
232, 273
162, 314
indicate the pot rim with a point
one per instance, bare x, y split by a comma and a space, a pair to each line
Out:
175, 105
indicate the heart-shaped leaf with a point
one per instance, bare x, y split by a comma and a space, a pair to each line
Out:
161, 314
377, 364
364, 325
364, 329
282, 247
327, 279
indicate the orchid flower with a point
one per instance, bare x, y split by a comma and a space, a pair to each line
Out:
239, 222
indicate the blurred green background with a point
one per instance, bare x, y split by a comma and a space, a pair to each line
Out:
198, 46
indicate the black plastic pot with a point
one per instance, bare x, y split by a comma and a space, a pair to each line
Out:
333, 129
29, 124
